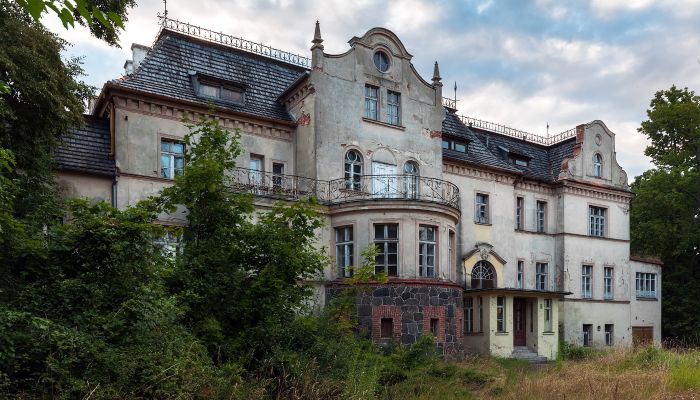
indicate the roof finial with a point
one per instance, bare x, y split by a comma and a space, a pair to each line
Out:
165, 8
317, 36
436, 73
455, 91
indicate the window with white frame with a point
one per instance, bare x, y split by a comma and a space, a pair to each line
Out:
172, 158
353, 170
597, 165
645, 284
541, 276
277, 175
587, 335
608, 274
393, 108
481, 208
548, 315
426, 254
519, 204
452, 262
541, 216
255, 170
520, 274
386, 238
586, 277
411, 182
371, 102
344, 246
480, 304
468, 315
609, 334
483, 276
596, 216
500, 314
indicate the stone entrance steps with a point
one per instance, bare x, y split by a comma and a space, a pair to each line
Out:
524, 353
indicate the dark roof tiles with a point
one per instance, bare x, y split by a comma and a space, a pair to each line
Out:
87, 149
491, 150
166, 71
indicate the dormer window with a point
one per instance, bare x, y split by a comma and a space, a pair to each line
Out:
217, 89
456, 145
519, 161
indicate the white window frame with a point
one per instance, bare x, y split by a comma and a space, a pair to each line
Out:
344, 250
393, 108
480, 304
596, 221
519, 205
468, 315
608, 283
500, 314
169, 171
541, 219
587, 281
542, 276
548, 315
427, 244
645, 285
384, 243
371, 102
353, 168
609, 334
481, 208
597, 165
520, 275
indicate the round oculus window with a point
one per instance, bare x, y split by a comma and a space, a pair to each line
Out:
381, 61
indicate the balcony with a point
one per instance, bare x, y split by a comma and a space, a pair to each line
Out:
365, 187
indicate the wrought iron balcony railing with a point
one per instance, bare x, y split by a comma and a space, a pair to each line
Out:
362, 187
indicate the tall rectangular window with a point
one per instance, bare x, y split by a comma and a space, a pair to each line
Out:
586, 277
344, 250
519, 203
645, 284
608, 274
500, 314
521, 272
481, 208
277, 175
468, 315
172, 158
452, 245
541, 276
480, 304
393, 108
609, 334
371, 102
548, 315
587, 335
596, 217
426, 252
255, 173
386, 238
541, 216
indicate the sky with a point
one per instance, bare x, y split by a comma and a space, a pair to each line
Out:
524, 64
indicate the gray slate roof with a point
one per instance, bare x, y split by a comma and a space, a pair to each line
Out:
166, 72
488, 149
87, 149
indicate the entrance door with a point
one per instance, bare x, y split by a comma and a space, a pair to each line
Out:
642, 335
519, 322
384, 180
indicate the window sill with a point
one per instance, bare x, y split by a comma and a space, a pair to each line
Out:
474, 334
548, 333
647, 298
502, 333
378, 122
482, 223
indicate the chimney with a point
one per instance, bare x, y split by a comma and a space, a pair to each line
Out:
138, 54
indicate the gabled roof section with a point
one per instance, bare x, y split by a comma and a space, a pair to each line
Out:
175, 57
87, 149
492, 150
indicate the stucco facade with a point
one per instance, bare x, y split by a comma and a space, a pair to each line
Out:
483, 231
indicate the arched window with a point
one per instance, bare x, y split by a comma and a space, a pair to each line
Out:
410, 171
483, 276
353, 170
597, 165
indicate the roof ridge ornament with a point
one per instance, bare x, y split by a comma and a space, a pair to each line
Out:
436, 74
317, 37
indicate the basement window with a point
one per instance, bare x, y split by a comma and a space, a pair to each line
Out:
387, 327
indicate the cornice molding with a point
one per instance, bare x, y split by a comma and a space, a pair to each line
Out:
300, 94
478, 173
592, 192
173, 111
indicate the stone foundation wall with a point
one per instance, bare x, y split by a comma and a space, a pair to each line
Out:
415, 305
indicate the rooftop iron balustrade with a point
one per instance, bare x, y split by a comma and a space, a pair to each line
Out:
516, 133
364, 187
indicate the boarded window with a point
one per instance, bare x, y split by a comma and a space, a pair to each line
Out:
387, 327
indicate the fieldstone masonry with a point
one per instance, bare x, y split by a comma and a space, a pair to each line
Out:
415, 305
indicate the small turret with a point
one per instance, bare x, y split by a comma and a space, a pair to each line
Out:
437, 82
317, 49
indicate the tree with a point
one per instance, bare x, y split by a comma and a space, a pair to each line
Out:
665, 214
242, 277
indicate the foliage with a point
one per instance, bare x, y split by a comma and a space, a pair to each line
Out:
41, 84
366, 272
569, 351
665, 214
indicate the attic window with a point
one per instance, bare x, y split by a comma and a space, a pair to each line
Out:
519, 161
455, 145
217, 89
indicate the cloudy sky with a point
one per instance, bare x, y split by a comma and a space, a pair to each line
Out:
522, 64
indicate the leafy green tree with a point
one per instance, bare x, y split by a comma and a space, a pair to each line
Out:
665, 214
242, 277
45, 100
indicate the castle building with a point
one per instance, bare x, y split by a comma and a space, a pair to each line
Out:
495, 241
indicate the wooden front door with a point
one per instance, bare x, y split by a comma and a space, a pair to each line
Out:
519, 322
642, 335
